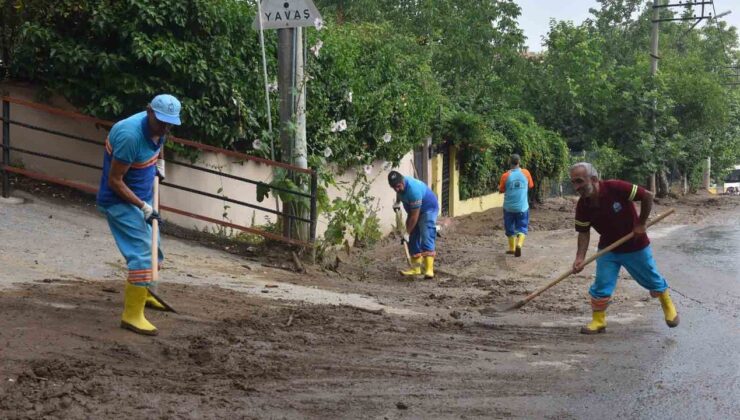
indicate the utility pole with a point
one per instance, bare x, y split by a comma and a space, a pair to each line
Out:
287, 77
654, 34
300, 154
659, 179
706, 178
292, 82
289, 17
300, 149
285, 83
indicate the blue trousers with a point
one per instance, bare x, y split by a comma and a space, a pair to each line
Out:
133, 237
423, 238
516, 222
640, 264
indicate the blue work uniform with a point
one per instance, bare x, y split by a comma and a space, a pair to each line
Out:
129, 142
515, 185
417, 195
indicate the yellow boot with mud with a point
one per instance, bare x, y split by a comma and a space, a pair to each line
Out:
512, 244
597, 325
415, 269
428, 268
669, 310
133, 311
519, 244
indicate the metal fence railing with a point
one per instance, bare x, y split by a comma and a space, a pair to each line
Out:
6, 169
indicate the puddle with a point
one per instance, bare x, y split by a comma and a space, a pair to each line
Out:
715, 246
663, 231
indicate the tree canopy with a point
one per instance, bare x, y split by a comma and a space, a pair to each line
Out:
386, 74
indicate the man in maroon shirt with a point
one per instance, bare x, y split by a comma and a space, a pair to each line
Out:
607, 207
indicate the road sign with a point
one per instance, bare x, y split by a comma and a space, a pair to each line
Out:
278, 14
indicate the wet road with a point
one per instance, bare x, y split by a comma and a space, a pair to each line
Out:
688, 372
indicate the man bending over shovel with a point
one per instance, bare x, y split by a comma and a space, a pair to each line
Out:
608, 207
421, 207
132, 158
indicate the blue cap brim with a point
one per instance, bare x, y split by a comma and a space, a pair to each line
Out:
169, 119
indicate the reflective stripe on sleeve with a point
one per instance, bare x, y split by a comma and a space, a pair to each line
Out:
633, 193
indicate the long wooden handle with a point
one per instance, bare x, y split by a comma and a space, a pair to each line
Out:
408, 255
155, 231
590, 259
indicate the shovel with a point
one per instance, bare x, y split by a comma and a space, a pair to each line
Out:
408, 255
405, 246
155, 250
520, 303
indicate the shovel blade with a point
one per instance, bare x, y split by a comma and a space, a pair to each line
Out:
503, 307
166, 305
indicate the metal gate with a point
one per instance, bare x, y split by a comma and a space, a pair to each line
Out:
6, 169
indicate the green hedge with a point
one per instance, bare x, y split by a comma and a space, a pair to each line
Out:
110, 58
485, 145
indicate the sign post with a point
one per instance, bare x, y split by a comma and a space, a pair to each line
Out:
281, 14
289, 17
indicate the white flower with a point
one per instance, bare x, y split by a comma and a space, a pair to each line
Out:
316, 48
256, 144
348, 96
272, 87
340, 125
387, 166
318, 24
387, 137
327, 152
368, 169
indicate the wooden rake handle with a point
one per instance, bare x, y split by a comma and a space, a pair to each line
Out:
408, 255
155, 231
589, 260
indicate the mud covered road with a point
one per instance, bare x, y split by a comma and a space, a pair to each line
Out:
347, 339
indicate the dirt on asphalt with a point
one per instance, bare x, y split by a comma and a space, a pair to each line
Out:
229, 354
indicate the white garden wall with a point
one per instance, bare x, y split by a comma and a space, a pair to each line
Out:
93, 154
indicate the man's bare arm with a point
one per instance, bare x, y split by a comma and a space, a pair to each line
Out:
115, 182
646, 206
583, 239
412, 219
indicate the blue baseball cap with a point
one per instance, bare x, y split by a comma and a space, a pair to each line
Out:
166, 108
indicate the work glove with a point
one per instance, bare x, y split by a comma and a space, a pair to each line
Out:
397, 206
405, 238
160, 169
149, 213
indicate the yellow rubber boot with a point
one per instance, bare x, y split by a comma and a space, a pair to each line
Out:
671, 316
597, 325
153, 303
512, 244
416, 268
133, 311
428, 268
519, 244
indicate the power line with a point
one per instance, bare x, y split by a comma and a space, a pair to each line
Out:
719, 33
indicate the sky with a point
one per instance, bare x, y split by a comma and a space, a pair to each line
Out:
536, 15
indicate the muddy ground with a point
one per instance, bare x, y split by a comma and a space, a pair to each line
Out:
286, 346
